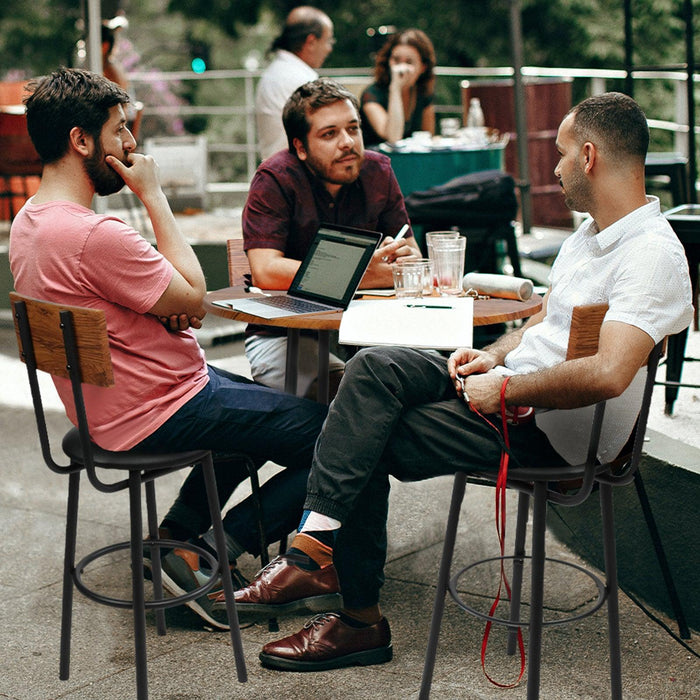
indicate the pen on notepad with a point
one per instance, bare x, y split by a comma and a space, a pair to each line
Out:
399, 236
426, 306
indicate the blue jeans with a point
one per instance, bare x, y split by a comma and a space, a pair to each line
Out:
232, 414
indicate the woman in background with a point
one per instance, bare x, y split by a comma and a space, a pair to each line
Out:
400, 101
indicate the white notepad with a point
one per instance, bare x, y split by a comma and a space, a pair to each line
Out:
440, 323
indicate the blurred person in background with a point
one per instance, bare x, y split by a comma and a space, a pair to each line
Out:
301, 48
400, 101
112, 69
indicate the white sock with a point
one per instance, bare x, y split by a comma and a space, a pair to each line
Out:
315, 522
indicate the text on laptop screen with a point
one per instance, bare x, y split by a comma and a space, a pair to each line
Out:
332, 268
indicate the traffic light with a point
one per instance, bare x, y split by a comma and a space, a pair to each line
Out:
199, 52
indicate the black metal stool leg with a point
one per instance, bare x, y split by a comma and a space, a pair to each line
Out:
683, 629
156, 573
272, 624
534, 646
674, 367
518, 561
609, 553
68, 567
224, 568
137, 593
443, 578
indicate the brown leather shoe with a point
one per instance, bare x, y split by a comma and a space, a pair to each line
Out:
327, 642
282, 588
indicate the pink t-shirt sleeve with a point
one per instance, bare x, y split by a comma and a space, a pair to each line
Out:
137, 274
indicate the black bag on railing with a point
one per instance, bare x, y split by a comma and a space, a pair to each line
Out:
479, 199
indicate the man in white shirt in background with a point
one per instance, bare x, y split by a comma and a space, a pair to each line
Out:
301, 48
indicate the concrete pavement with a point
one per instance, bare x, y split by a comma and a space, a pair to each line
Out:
193, 662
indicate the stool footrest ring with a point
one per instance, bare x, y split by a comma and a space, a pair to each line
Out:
150, 604
594, 606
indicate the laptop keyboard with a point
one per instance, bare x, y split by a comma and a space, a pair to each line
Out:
298, 306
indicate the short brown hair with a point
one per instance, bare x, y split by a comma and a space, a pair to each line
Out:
306, 100
615, 123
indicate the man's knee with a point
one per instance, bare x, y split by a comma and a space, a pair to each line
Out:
375, 358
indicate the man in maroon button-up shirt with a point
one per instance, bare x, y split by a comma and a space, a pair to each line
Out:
325, 176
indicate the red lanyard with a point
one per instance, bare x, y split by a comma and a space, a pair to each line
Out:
501, 532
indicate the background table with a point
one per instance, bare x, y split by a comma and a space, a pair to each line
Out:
420, 170
486, 312
685, 221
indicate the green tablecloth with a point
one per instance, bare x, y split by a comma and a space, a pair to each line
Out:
419, 171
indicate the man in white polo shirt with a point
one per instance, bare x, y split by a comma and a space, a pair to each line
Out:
301, 48
400, 412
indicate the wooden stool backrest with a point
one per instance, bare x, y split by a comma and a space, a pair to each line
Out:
48, 342
238, 266
586, 321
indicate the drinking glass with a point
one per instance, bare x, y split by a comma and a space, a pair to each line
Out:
431, 236
448, 263
412, 278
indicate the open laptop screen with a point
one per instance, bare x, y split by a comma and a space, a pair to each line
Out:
334, 265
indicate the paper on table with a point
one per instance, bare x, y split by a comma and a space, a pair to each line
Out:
437, 323
383, 292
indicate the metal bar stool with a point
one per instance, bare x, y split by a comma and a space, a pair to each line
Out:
71, 343
535, 483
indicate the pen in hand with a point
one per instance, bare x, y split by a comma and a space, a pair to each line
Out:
398, 237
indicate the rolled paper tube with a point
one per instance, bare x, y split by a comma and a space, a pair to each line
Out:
502, 286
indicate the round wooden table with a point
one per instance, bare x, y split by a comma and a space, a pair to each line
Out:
486, 312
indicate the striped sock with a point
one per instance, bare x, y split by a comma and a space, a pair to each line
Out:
315, 540
316, 547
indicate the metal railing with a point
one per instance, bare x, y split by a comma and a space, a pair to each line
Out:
597, 81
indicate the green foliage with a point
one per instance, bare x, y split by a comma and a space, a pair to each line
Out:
36, 37
229, 16
561, 33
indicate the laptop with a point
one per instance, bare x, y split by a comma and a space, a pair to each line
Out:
326, 280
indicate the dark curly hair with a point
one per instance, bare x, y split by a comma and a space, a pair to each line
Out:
68, 97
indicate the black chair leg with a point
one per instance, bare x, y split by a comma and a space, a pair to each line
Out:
224, 568
137, 587
272, 624
683, 629
534, 646
518, 563
674, 368
610, 557
68, 568
156, 573
442, 583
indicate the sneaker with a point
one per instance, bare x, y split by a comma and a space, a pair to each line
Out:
182, 574
237, 578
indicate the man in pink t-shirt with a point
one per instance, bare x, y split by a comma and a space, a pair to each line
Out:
165, 395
